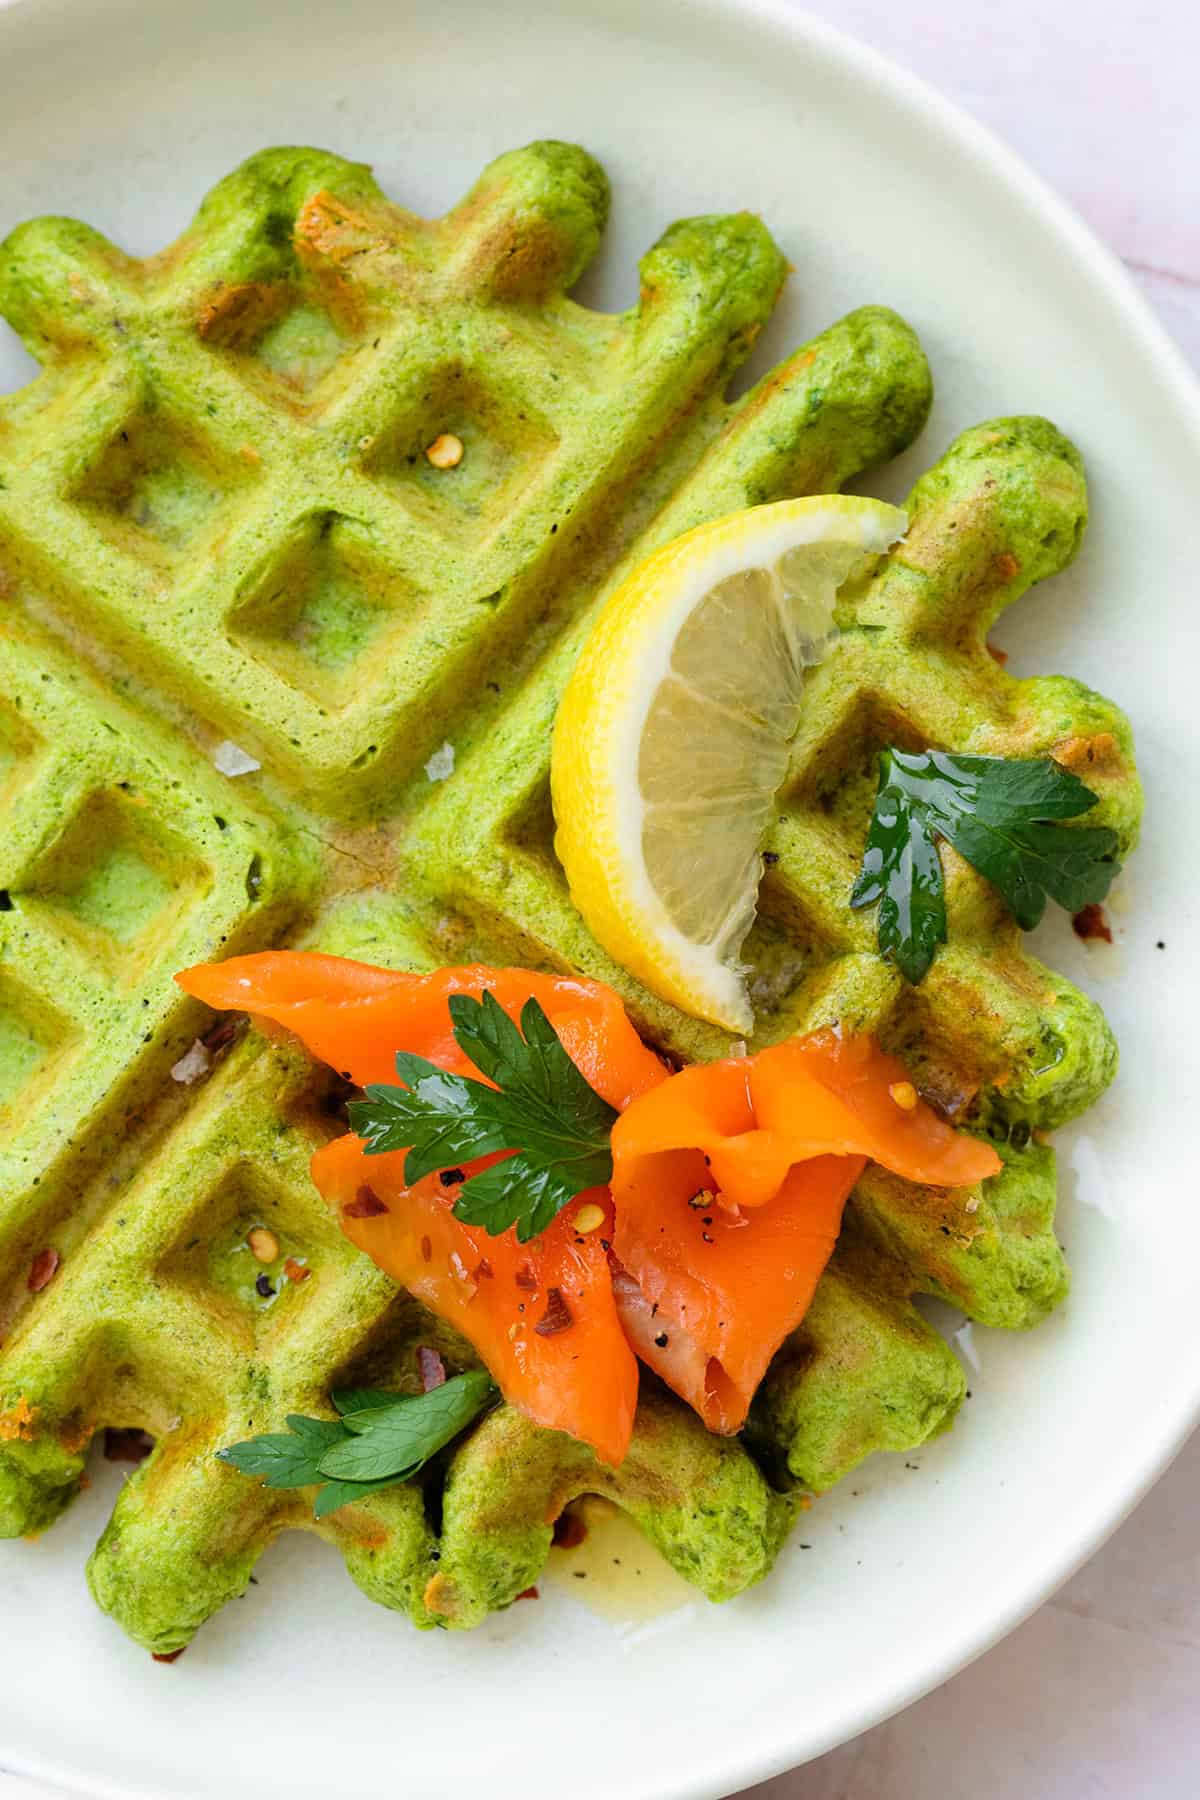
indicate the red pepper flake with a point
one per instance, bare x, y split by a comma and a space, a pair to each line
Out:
1092, 922
997, 655
433, 1369
525, 1277
296, 1271
484, 1270
168, 1655
366, 1204
426, 1249
132, 1445
223, 1032
557, 1316
530, 1593
42, 1270
569, 1531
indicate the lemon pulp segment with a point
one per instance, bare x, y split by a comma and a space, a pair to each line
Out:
672, 738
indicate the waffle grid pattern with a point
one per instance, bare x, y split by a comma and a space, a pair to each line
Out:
217, 519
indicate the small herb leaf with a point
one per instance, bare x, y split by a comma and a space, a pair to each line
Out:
387, 1438
390, 1443
359, 1400
487, 1198
340, 1493
289, 1458
541, 1107
1001, 815
903, 872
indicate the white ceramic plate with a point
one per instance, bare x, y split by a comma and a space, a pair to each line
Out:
123, 114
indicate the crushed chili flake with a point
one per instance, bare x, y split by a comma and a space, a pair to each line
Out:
557, 1316
1091, 921
42, 1270
525, 1277
484, 1270
426, 1249
168, 1656
569, 1531
296, 1271
366, 1204
529, 1593
433, 1369
997, 655
223, 1033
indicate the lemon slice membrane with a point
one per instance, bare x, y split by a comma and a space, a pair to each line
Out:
672, 737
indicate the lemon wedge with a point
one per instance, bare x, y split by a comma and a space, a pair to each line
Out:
672, 737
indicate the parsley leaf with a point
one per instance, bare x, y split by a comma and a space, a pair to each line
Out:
392, 1442
287, 1459
339, 1493
1001, 815
355, 1400
541, 1108
379, 1441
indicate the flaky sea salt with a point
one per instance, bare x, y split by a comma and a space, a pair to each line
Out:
441, 764
231, 759
192, 1065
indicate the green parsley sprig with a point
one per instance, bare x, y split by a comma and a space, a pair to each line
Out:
379, 1440
541, 1109
1001, 814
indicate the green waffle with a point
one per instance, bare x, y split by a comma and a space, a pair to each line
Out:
217, 522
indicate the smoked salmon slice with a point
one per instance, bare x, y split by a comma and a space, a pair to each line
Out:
707, 1296
729, 1182
355, 1017
542, 1315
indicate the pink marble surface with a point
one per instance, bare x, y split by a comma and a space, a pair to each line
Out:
1101, 97
1095, 1697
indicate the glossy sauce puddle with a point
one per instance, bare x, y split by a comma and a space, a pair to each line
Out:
615, 1571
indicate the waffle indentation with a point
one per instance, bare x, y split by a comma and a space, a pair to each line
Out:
18, 745
327, 606
158, 488
215, 1264
34, 1037
503, 449
281, 339
115, 878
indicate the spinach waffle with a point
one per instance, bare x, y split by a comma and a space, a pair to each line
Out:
219, 528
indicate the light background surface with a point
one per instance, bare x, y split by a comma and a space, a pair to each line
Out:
1096, 1695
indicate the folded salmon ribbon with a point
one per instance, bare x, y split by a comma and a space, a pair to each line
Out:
729, 1180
